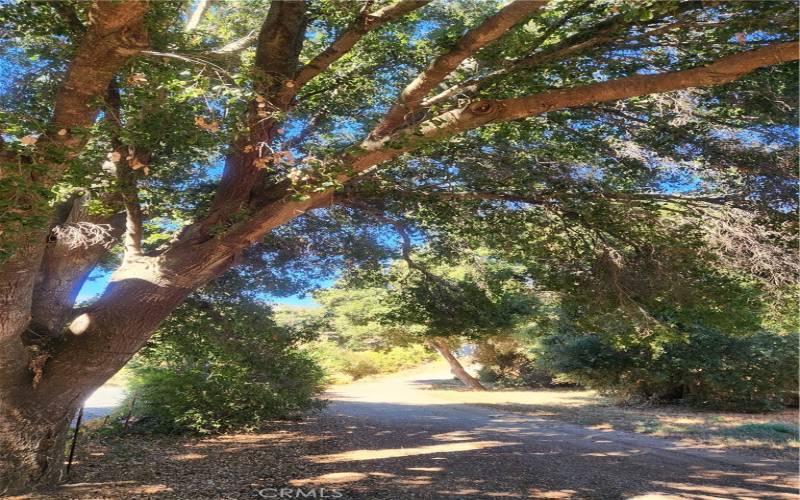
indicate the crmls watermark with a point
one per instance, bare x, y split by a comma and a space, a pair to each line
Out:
299, 493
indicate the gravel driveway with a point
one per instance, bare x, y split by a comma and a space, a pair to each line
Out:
423, 447
389, 438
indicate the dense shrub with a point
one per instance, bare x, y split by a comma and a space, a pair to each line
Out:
354, 365
506, 363
220, 366
706, 368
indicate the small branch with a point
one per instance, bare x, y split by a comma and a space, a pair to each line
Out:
126, 177
406, 248
237, 45
187, 58
307, 131
364, 23
488, 31
197, 15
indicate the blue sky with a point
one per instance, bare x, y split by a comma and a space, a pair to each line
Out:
98, 280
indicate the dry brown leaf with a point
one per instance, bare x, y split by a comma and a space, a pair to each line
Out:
29, 140
137, 79
287, 155
136, 164
208, 126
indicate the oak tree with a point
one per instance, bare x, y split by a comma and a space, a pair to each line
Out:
175, 142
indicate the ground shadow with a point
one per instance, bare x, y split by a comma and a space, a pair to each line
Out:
372, 450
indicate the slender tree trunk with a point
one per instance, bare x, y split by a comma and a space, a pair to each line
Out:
443, 348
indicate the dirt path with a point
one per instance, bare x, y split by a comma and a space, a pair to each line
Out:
389, 438
432, 448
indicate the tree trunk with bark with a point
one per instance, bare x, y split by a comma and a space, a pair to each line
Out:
40, 399
442, 347
33, 436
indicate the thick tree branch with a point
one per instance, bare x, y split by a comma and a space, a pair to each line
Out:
237, 45
114, 35
279, 207
598, 34
475, 39
279, 44
75, 246
724, 70
482, 112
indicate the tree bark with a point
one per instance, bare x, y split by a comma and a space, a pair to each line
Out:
443, 348
115, 34
70, 255
34, 415
33, 436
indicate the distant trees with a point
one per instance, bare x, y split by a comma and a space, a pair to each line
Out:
701, 367
706, 333
437, 303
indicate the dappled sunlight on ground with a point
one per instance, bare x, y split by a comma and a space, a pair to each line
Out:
356, 455
770, 432
392, 440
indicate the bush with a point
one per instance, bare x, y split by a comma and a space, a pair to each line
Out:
359, 364
506, 363
706, 368
222, 366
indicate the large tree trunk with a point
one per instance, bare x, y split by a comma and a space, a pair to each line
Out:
443, 348
33, 435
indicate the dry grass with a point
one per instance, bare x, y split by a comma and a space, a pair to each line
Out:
769, 433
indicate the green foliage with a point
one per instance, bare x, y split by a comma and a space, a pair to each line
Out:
706, 368
353, 365
474, 299
622, 211
222, 365
350, 343
507, 362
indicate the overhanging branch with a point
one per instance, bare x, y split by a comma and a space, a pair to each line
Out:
489, 30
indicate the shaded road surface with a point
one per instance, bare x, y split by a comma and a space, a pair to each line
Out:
396, 440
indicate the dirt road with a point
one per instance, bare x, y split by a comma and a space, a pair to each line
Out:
400, 441
389, 438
